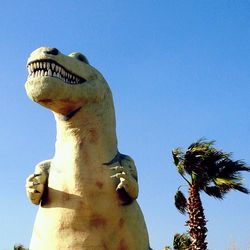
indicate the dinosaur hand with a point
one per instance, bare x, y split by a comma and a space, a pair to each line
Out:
35, 187
125, 181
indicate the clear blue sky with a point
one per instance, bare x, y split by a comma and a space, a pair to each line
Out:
179, 70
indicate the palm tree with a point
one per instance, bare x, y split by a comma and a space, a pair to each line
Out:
207, 169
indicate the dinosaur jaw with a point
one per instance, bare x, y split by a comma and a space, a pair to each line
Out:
49, 84
46, 92
53, 92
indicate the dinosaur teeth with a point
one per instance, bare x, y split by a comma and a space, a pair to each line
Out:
52, 69
31, 68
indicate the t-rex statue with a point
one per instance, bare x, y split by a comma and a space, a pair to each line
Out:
87, 192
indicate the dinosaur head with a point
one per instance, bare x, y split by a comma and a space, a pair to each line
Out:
63, 83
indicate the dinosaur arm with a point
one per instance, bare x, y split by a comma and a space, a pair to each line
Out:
37, 182
127, 175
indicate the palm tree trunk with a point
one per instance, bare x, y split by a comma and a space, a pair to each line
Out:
197, 220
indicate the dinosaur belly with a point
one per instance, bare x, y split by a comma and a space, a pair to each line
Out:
64, 228
91, 218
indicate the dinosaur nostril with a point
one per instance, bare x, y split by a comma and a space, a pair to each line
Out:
52, 51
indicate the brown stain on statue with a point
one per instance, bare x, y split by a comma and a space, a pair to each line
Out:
93, 136
45, 101
97, 221
105, 247
99, 184
123, 245
121, 222
81, 144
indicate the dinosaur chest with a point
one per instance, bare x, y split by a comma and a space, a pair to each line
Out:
78, 186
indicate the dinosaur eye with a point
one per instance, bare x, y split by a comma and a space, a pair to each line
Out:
79, 57
52, 51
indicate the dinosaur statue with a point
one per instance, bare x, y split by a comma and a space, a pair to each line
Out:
87, 192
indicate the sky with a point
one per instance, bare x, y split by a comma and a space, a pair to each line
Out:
178, 70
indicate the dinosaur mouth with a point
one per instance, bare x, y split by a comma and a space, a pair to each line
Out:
53, 69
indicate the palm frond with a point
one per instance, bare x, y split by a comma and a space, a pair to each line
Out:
241, 189
180, 169
180, 202
201, 156
167, 248
214, 191
228, 184
177, 155
206, 164
19, 247
178, 160
181, 241
229, 181
202, 142
227, 168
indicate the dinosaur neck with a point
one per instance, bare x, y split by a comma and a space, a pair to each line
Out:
89, 136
